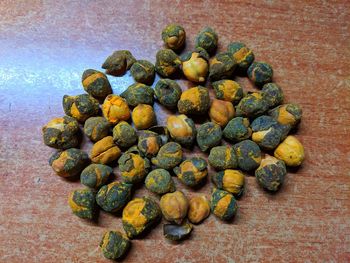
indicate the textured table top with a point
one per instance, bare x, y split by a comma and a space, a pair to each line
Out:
44, 48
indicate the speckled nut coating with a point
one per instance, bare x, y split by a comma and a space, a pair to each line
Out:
207, 39
149, 143
195, 65
159, 181
138, 93
167, 63
177, 232
96, 128
221, 67
248, 155
143, 71
114, 196
223, 204
237, 129
221, 112
143, 116
287, 114
115, 109
80, 107
117, 63
271, 173
169, 156
168, 92
260, 73
273, 94
95, 175
96, 83
133, 167
82, 202
228, 90
182, 129
105, 151
140, 214
114, 245
241, 54
192, 172
252, 105
174, 206
174, 36
124, 135
230, 180
199, 209
61, 133
162, 132
208, 136
195, 100
291, 151
222, 157
69, 163
267, 133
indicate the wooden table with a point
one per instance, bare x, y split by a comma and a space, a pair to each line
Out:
45, 47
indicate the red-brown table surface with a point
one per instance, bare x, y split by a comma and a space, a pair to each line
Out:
44, 48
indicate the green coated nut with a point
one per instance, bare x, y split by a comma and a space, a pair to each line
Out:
260, 73
114, 245
273, 94
169, 156
149, 143
252, 105
82, 202
138, 93
61, 133
223, 204
222, 158
192, 172
209, 135
267, 133
228, 90
143, 71
174, 36
241, 54
237, 129
230, 180
222, 66
96, 83
70, 162
167, 92
207, 39
159, 181
133, 167
124, 134
117, 63
80, 107
167, 63
248, 155
96, 128
114, 196
195, 101
95, 175
271, 173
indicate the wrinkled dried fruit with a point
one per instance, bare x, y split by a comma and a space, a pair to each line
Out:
199, 209
182, 129
174, 206
143, 116
221, 112
291, 151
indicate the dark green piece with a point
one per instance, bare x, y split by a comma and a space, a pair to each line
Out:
138, 93
222, 158
143, 71
248, 155
96, 83
159, 181
237, 129
273, 94
82, 203
221, 67
124, 135
168, 92
95, 175
207, 39
169, 155
208, 135
167, 63
267, 133
242, 55
114, 245
260, 73
252, 105
80, 107
114, 196
96, 128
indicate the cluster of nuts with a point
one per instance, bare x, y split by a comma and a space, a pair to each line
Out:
252, 121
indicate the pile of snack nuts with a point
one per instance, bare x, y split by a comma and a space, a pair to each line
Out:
253, 121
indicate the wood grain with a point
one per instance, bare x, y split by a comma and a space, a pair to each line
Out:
45, 47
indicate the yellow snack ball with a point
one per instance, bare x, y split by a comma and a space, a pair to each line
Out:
221, 112
115, 109
196, 67
291, 151
230, 180
174, 206
199, 209
143, 116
